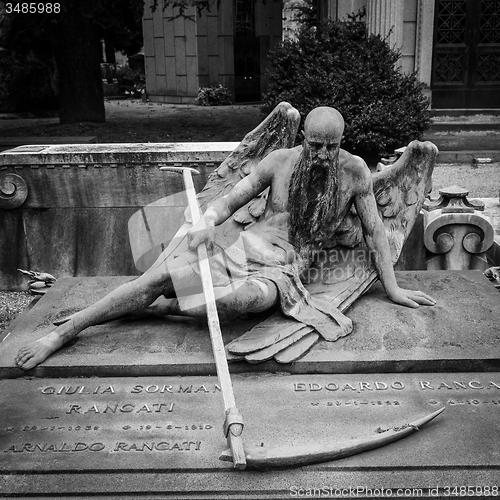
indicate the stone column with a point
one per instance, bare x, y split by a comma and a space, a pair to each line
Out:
424, 40
384, 15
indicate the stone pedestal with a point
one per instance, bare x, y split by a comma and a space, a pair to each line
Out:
457, 234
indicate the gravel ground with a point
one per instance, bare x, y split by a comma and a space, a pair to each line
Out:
11, 305
482, 180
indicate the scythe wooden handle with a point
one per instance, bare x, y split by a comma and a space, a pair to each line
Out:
234, 429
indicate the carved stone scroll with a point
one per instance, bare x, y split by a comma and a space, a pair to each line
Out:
456, 231
13, 191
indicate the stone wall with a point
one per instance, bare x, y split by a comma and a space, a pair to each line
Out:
75, 218
171, 55
411, 21
197, 49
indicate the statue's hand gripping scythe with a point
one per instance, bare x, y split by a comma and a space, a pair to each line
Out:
263, 457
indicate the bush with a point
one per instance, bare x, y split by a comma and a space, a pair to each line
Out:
131, 82
338, 64
216, 95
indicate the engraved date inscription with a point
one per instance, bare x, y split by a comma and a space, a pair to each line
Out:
356, 402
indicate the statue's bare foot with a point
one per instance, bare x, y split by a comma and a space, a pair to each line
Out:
38, 351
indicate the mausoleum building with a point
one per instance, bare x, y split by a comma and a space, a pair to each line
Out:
453, 46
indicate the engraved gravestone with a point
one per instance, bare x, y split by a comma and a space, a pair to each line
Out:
84, 427
97, 428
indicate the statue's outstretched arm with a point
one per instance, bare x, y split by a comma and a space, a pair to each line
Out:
378, 244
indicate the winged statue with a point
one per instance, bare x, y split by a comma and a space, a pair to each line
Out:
308, 228
342, 266
299, 230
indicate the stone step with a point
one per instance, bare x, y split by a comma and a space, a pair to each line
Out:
466, 112
469, 156
467, 141
465, 135
459, 126
458, 144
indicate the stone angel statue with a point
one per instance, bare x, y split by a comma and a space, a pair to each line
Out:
333, 266
299, 230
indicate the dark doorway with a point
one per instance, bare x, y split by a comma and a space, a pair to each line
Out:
246, 53
466, 57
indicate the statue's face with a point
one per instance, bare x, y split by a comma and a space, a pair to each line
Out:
321, 151
322, 136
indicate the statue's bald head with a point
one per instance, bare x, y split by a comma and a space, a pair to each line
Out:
324, 122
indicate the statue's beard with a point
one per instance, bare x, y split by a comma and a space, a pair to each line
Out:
312, 198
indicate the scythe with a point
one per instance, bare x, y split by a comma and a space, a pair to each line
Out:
264, 457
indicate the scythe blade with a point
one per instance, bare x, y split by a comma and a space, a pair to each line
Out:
290, 456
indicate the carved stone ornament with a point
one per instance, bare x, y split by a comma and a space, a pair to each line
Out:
13, 191
457, 231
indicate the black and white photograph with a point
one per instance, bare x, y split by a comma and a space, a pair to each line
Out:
250, 249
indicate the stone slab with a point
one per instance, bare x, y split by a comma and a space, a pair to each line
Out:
29, 144
154, 436
123, 153
460, 333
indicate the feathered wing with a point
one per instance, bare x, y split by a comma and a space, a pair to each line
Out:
400, 191
277, 131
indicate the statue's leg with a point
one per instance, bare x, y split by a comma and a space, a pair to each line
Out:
128, 297
234, 300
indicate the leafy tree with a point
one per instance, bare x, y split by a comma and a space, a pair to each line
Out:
120, 25
27, 67
337, 63
69, 40
68, 37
